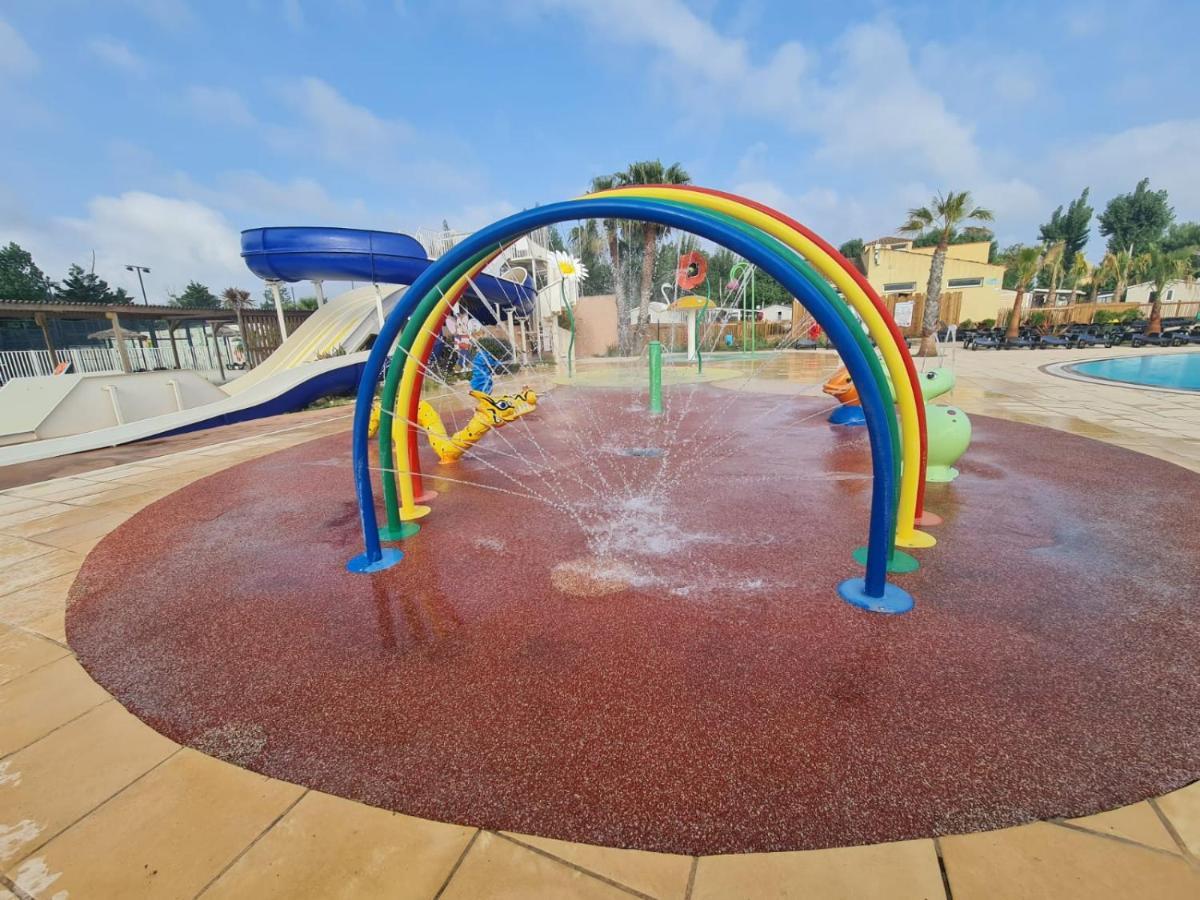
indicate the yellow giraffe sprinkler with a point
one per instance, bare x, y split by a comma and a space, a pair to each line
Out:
490, 412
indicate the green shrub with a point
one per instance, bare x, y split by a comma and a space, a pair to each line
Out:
987, 323
1111, 317
966, 324
1037, 319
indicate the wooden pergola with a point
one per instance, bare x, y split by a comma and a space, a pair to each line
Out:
262, 328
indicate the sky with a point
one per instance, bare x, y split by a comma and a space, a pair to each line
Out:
153, 131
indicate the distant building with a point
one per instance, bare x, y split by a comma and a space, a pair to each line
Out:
1176, 292
777, 312
714, 313
896, 268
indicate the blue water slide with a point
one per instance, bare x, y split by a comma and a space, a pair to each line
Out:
353, 254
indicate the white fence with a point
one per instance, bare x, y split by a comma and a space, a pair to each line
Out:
83, 360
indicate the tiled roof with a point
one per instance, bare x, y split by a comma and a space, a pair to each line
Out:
58, 305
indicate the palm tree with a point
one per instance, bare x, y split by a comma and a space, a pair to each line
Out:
238, 299
1124, 264
944, 214
612, 236
650, 172
1080, 270
1025, 265
1162, 269
1052, 265
585, 239
1100, 274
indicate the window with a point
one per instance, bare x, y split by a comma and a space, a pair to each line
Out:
899, 287
964, 282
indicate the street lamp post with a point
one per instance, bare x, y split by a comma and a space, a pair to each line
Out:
141, 284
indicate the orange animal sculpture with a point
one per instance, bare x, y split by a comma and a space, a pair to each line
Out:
841, 388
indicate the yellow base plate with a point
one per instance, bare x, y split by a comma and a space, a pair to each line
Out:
914, 538
413, 513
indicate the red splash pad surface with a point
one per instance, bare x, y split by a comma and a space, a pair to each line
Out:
711, 694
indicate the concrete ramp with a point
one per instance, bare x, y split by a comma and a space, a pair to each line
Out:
60, 414
288, 391
52, 406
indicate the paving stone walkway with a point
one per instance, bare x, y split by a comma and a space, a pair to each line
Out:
94, 804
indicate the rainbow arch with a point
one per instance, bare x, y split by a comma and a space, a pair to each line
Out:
805, 264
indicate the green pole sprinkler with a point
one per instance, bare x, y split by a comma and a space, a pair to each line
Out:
753, 315
700, 316
562, 289
655, 351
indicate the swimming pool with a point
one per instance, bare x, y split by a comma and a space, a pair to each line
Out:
1180, 371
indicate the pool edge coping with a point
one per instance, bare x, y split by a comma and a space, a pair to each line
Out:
1065, 369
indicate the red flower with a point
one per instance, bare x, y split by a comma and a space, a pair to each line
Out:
692, 270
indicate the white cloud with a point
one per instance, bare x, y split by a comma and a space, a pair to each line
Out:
252, 199
1018, 205
835, 214
118, 55
325, 123
872, 105
320, 122
342, 131
16, 56
975, 72
880, 114
473, 216
314, 121
179, 240
875, 107
1164, 152
185, 229
221, 106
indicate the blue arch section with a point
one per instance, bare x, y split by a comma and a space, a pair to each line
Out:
303, 253
490, 239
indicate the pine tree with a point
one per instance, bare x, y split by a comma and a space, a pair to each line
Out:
1136, 222
20, 278
88, 287
196, 296
1071, 228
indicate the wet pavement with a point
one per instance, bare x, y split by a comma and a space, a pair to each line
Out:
647, 650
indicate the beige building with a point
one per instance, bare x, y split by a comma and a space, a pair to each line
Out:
897, 269
1176, 292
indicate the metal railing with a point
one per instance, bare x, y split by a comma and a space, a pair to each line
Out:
89, 360
533, 244
31, 363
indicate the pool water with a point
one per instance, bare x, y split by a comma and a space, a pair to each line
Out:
1170, 370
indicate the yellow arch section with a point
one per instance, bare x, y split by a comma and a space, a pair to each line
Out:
910, 438
409, 510
906, 533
